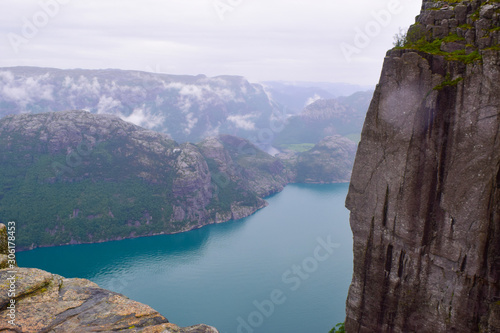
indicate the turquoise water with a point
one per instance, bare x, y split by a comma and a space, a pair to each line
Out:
285, 269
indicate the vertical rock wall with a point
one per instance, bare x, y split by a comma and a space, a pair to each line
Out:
425, 191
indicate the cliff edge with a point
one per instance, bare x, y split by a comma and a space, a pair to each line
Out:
425, 192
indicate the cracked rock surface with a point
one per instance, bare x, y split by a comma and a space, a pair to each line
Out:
424, 196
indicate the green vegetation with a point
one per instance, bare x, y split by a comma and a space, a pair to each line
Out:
434, 47
298, 147
339, 328
117, 190
448, 83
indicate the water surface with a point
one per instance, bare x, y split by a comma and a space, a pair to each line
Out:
273, 272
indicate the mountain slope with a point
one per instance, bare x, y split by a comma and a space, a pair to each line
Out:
326, 117
424, 195
72, 177
329, 161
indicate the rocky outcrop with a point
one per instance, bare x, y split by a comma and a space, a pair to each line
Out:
32, 300
424, 195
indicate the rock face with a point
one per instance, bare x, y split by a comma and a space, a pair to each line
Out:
425, 191
47, 302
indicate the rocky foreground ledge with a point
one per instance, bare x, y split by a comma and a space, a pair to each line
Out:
39, 301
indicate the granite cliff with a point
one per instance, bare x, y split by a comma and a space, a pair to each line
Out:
424, 196
45, 302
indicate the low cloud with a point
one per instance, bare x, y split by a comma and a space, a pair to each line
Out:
313, 99
25, 91
108, 104
142, 117
242, 122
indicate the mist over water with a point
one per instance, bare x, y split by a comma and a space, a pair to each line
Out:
286, 268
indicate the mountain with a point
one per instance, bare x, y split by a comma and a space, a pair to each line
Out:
326, 117
424, 195
45, 302
329, 161
188, 108
295, 96
77, 177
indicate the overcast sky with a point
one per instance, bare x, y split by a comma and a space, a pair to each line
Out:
292, 40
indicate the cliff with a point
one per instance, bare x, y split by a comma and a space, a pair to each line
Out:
45, 302
424, 195
76, 177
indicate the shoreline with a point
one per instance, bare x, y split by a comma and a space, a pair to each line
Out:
25, 249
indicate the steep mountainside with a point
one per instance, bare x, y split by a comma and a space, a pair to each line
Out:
326, 117
73, 177
188, 108
329, 161
46, 302
424, 195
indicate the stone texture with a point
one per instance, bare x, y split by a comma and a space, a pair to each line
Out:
424, 196
50, 303
4, 247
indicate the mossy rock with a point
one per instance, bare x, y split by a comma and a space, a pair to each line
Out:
4, 245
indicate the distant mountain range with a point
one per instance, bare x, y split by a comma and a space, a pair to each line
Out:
325, 117
187, 108
295, 96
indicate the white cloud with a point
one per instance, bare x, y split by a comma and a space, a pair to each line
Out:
82, 85
107, 104
191, 122
25, 91
143, 118
242, 122
313, 99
